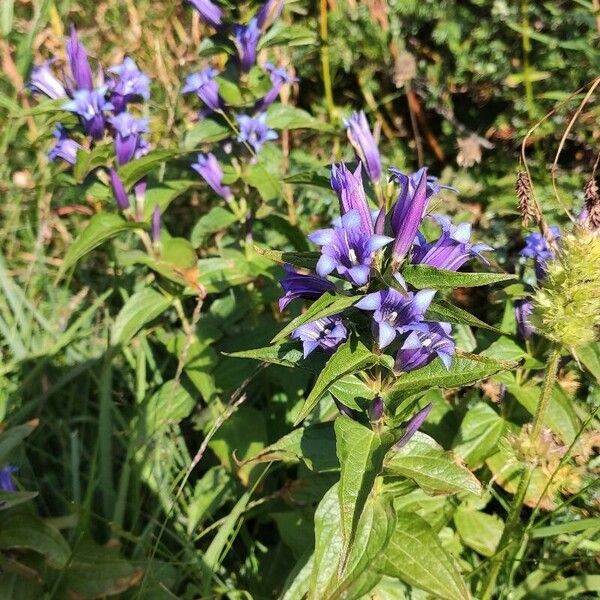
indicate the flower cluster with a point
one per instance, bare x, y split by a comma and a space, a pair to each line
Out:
102, 105
252, 129
364, 248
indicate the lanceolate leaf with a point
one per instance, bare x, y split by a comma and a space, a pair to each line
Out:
304, 260
89, 160
11, 438
361, 452
416, 556
134, 170
465, 369
325, 306
433, 469
287, 355
424, 276
141, 308
350, 357
101, 227
479, 530
441, 310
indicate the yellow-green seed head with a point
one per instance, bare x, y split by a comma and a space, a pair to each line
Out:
567, 305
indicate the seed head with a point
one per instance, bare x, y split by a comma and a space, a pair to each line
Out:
523, 189
592, 204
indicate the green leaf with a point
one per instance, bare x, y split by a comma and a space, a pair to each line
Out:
352, 392
566, 528
415, 555
318, 177
590, 357
101, 228
478, 435
433, 469
441, 310
206, 131
313, 445
350, 357
10, 499
304, 260
576, 586
134, 170
479, 530
288, 35
287, 355
12, 438
87, 161
286, 116
325, 306
141, 308
168, 406
267, 185
424, 276
361, 452
163, 195
465, 369
23, 530
217, 219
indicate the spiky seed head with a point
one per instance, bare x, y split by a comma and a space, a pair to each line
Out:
523, 190
592, 204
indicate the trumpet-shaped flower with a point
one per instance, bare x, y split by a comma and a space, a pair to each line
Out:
453, 248
268, 13
246, 41
395, 313
90, 106
209, 12
413, 426
203, 84
349, 188
254, 131
78, 62
118, 189
43, 81
347, 248
128, 135
7, 483
208, 167
155, 231
423, 345
279, 77
362, 140
131, 84
523, 310
326, 333
538, 248
65, 147
296, 285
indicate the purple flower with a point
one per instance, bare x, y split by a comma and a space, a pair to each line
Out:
6, 480
210, 13
347, 248
413, 426
452, 250
376, 409
421, 346
65, 147
351, 194
327, 333
523, 310
118, 190
128, 135
132, 84
295, 285
538, 248
90, 106
78, 61
279, 77
254, 131
44, 82
269, 12
209, 169
155, 233
395, 312
203, 84
362, 140
246, 42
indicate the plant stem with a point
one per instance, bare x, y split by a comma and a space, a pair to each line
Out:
325, 60
504, 553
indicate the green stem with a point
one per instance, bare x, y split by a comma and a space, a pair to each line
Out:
504, 554
325, 61
526, 66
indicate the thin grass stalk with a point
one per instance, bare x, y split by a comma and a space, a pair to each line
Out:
325, 65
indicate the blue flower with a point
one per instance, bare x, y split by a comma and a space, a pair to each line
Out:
203, 84
452, 250
78, 62
254, 131
90, 106
131, 85
538, 248
65, 147
279, 77
210, 13
246, 41
362, 140
351, 194
296, 285
396, 312
347, 248
413, 426
118, 189
209, 169
326, 333
128, 135
155, 232
523, 310
269, 12
44, 82
6, 480
423, 345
